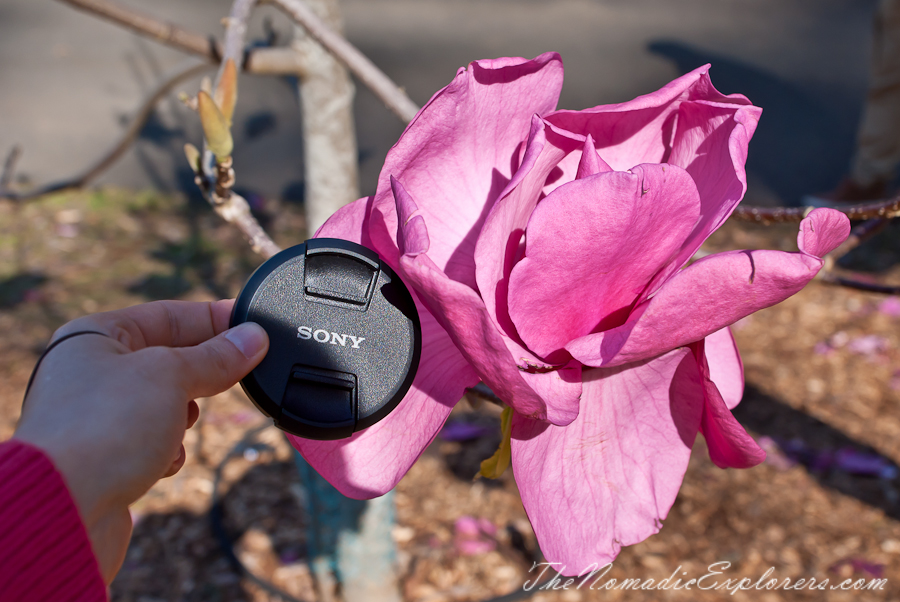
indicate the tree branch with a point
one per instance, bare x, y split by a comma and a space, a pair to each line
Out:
270, 61
390, 93
179, 74
162, 31
216, 178
235, 34
858, 235
861, 211
832, 278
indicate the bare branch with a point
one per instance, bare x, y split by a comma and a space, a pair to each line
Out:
216, 177
767, 215
480, 393
179, 74
234, 208
390, 93
271, 61
235, 34
161, 31
858, 235
832, 278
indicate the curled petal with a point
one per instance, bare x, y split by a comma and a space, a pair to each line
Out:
822, 232
641, 130
462, 313
711, 143
716, 291
710, 294
412, 238
590, 163
687, 123
459, 153
610, 477
500, 240
372, 461
730, 446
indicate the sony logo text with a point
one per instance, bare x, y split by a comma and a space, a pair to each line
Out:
332, 338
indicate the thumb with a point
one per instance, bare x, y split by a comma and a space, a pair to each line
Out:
217, 364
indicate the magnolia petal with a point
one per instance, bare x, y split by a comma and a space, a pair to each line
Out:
592, 246
610, 477
462, 313
725, 367
730, 446
412, 238
711, 142
372, 461
823, 231
499, 243
641, 130
459, 153
710, 294
590, 162
687, 123
347, 222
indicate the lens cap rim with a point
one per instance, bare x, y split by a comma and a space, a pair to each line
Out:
243, 308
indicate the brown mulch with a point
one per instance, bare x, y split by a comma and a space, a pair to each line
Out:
815, 383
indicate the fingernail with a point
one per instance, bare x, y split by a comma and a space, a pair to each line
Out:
249, 338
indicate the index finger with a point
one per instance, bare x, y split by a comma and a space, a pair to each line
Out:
158, 323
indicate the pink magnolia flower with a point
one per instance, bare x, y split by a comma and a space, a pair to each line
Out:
547, 253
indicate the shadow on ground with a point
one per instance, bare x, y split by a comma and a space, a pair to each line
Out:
766, 415
180, 556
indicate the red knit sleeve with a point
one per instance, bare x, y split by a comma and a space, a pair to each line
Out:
45, 553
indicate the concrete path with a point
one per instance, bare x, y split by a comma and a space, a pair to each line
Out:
69, 80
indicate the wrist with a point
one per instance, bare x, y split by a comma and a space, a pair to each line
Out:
91, 497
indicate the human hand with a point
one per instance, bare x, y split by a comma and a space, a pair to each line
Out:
111, 411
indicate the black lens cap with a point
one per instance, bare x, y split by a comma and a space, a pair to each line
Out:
344, 338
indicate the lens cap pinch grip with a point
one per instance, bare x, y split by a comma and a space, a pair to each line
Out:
344, 338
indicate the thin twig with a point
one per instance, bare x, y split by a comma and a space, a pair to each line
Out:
390, 93
480, 393
9, 168
271, 61
179, 74
161, 31
858, 235
235, 34
832, 278
861, 211
217, 177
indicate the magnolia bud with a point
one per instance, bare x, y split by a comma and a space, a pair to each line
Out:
215, 127
226, 91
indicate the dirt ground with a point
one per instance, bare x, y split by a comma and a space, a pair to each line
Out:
822, 372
